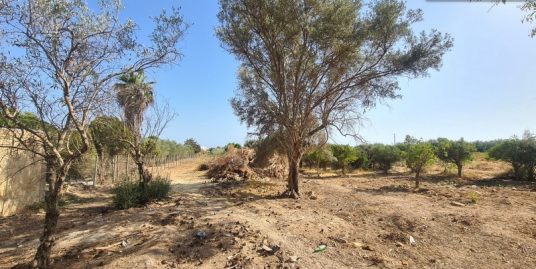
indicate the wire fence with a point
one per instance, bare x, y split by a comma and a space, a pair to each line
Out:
93, 170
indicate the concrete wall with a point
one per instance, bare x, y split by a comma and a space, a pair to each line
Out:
21, 178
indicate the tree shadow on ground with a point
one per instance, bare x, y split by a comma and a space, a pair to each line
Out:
245, 191
500, 182
94, 233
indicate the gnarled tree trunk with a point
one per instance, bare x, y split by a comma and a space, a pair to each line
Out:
54, 177
144, 174
294, 157
417, 178
460, 167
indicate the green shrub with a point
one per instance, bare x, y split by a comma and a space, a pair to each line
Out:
455, 152
126, 195
418, 157
384, 156
474, 197
130, 194
157, 189
520, 153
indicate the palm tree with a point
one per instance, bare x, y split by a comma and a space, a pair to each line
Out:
134, 95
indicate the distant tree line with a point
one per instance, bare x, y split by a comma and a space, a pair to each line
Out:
418, 154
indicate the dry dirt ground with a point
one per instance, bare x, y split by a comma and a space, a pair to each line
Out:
365, 220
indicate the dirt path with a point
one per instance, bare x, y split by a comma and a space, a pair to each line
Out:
365, 221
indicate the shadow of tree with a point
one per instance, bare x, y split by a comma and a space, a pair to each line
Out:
91, 233
501, 182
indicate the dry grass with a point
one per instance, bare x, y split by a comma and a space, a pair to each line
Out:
365, 220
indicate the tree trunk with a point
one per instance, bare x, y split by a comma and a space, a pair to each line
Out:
343, 169
114, 168
47, 240
127, 173
293, 176
460, 170
517, 172
145, 175
96, 171
417, 179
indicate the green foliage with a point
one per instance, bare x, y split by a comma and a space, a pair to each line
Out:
149, 146
384, 156
419, 156
473, 196
530, 17
109, 135
520, 153
129, 194
82, 168
126, 195
217, 151
134, 95
456, 152
319, 157
307, 66
165, 147
363, 159
344, 155
28, 119
156, 189
234, 145
193, 144
483, 146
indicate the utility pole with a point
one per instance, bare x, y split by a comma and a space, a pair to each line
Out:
394, 139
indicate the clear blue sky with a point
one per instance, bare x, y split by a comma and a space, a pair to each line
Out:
485, 89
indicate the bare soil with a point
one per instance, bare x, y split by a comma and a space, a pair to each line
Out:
365, 220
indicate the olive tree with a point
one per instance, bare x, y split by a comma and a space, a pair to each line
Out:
456, 152
193, 144
344, 155
315, 66
385, 156
520, 153
418, 156
319, 157
107, 134
530, 8
58, 60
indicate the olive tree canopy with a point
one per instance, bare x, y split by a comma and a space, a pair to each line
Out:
310, 66
58, 60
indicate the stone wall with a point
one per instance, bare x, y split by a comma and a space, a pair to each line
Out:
21, 178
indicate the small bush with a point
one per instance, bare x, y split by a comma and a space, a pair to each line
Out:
126, 195
474, 197
157, 189
203, 167
384, 156
130, 194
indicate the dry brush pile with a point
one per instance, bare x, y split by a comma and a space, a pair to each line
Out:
245, 164
234, 165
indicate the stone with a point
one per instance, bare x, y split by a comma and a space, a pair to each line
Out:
293, 259
457, 204
412, 240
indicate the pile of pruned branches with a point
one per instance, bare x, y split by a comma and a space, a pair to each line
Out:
275, 166
234, 165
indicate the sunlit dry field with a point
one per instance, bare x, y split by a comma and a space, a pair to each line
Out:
365, 219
